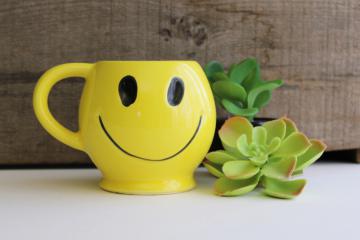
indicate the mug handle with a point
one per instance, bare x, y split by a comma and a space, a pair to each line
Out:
40, 101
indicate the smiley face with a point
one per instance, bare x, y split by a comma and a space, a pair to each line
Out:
128, 93
152, 112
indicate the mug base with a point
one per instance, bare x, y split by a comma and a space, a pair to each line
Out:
168, 186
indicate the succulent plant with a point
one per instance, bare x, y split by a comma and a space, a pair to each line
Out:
267, 155
240, 91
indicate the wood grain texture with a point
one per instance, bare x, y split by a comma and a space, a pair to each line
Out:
312, 45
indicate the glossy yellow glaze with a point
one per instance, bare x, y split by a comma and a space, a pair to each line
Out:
149, 147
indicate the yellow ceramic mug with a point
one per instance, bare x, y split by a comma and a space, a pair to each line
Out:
145, 124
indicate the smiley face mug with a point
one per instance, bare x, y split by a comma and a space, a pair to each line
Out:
146, 125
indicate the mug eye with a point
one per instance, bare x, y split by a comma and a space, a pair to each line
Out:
175, 91
128, 90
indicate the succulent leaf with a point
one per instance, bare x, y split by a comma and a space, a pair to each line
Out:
253, 78
259, 135
262, 99
273, 145
220, 76
233, 128
275, 129
294, 145
290, 126
312, 154
231, 68
259, 160
239, 170
282, 188
213, 168
254, 93
242, 70
229, 90
243, 146
211, 68
229, 188
237, 110
220, 157
280, 169
278, 82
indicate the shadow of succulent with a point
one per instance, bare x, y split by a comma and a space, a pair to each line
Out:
240, 91
267, 155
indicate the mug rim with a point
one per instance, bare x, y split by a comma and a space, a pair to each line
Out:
143, 61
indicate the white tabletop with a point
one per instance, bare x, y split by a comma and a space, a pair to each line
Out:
67, 204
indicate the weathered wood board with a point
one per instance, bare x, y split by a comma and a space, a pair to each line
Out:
312, 45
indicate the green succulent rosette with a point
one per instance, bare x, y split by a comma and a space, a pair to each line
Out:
240, 91
267, 155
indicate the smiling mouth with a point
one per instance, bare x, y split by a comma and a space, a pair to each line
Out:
149, 159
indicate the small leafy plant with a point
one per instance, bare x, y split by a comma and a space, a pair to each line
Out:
267, 155
240, 91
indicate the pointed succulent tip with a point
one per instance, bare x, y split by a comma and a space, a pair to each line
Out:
230, 188
281, 82
218, 192
291, 168
219, 157
286, 118
320, 143
281, 169
312, 154
213, 169
301, 189
283, 189
290, 126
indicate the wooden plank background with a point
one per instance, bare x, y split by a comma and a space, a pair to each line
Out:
312, 44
